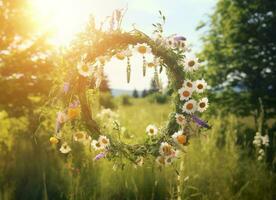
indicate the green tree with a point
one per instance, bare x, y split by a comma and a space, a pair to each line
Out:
25, 66
240, 52
144, 93
135, 93
153, 86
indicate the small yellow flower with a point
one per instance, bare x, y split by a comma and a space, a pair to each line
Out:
73, 113
53, 140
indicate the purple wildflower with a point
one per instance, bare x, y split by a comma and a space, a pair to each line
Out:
179, 38
200, 122
66, 86
61, 118
99, 156
74, 104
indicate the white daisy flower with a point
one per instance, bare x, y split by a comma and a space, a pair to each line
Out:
200, 85
65, 148
123, 54
120, 55
261, 152
166, 149
152, 130
143, 48
265, 140
80, 136
203, 104
85, 69
179, 138
189, 106
185, 93
104, 141
180, 119
260, 158
189, 84
96, 145
191, 64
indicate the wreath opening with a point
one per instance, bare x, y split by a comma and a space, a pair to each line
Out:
77, 118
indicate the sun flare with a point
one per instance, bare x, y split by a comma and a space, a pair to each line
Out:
63, 18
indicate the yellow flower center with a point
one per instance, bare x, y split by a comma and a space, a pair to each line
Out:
98, 144
202, 105
79, 135
191, 63
104, 141
73, 113
200, 86
142, 49
189, 84
189, 106
151, 64
151, 130
180, 118
85, 68
120, 56
167, 150
186, 93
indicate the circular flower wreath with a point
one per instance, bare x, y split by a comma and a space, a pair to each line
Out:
188, 96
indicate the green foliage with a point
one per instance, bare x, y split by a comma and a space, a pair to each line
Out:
158, 97
106, 100
135, 93
240, 49
125, 100
216, 167
144, 93
25, 59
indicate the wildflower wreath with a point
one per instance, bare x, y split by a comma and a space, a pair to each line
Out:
163, 143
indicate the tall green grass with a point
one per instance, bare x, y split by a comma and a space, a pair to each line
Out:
215, 166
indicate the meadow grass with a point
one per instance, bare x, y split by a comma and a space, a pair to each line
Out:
215, 166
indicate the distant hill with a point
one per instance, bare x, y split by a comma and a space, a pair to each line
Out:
119, 92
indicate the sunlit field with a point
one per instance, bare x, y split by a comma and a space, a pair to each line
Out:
137, 99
